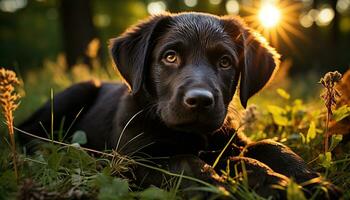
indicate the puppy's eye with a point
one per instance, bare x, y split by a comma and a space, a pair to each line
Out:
170, 56
225, 62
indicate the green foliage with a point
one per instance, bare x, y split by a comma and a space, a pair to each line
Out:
341, 113
283, 93
112, 188
154, 193
294, 192
335, 140
311, 133
79, 137
8, 184
279, 115
326, 159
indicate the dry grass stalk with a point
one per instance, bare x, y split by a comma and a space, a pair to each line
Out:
9, 102
343, 126
330, 96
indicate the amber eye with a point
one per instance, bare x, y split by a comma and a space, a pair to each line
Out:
170, 56
225, 62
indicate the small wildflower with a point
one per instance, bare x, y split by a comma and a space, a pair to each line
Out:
330, 96
8, 102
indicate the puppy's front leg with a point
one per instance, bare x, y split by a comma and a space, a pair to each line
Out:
259, 177
283, 160
190, 170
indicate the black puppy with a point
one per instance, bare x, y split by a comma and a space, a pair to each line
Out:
182, 71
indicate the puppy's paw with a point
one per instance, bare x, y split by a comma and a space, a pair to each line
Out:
318, 188
261, 178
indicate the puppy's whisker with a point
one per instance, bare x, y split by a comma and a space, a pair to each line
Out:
132, 139
127, 124
151, 110
139, 149
148, 111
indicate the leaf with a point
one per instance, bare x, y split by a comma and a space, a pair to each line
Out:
283, 93
278, 115
79, 137
154, 193
8, 184
335, 140
326, 159
341, 113
76, 145
112, 188
294, 192
54, 160
303, 139
311, 133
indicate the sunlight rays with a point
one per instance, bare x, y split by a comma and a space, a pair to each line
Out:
269, 15
275, 20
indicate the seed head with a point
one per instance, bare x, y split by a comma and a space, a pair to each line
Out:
330, 79
8, 95
331, 94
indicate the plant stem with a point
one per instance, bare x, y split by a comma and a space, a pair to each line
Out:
223, 150
51, 102
326, 138
13, 143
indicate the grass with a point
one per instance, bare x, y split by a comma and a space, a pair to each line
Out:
62, 170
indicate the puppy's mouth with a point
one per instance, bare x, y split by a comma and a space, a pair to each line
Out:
196, 127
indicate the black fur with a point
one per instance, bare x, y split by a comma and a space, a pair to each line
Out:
179, 107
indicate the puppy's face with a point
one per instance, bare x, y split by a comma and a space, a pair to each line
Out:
188, 66
194, 73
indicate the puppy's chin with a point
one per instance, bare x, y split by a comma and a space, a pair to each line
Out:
199, 123
196, 127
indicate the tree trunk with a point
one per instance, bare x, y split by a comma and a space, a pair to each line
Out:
78, 29
335, 24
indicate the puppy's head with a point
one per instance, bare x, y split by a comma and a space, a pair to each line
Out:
189, 64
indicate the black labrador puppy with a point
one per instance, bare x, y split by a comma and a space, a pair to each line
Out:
182, 71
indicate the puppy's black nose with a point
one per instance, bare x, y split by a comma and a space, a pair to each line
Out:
198, 99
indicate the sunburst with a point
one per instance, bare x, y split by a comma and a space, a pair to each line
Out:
275, 20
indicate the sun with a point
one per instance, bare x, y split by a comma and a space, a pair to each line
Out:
269, 15
275, 20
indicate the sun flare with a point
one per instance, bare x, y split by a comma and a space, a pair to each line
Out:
275, 20
269, 15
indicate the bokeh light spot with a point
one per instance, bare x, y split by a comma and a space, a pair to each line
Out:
215, 2
12, 5
191, 3
306, 20
232, 7
343, 6
156, 7
325, 16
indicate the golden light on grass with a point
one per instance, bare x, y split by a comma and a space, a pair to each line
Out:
275, 20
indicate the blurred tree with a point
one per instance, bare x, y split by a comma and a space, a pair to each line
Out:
78, 29
335, 26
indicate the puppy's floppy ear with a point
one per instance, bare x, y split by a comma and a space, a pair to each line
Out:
131, 51
258, 60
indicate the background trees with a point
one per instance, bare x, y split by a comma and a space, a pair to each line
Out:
34, 30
